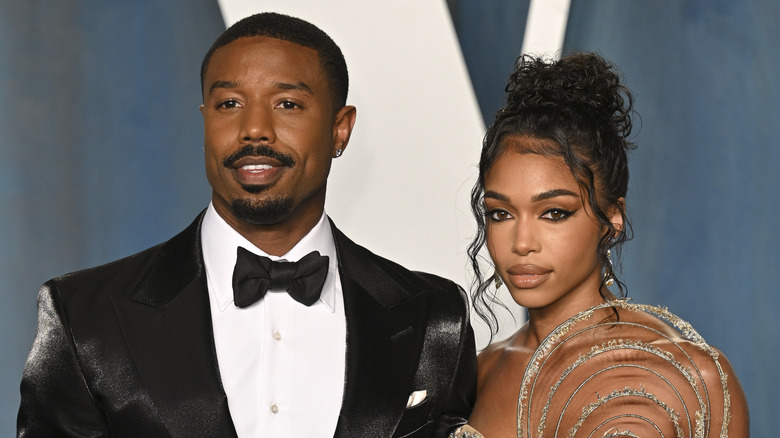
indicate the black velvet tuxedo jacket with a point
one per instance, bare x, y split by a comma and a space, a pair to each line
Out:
127, 350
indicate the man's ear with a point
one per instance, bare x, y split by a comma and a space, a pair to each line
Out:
343, 122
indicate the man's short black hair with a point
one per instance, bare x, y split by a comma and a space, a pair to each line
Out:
294, 30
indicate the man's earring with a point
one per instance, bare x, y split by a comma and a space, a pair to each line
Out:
339, 152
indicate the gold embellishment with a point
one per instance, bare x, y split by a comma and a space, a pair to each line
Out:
466, 432
615, 432
626, 392
646, 345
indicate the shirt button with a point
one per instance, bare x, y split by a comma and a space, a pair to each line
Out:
274, 408
277, 335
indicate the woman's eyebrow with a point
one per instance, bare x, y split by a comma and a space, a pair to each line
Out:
553, 194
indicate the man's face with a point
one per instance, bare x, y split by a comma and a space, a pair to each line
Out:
271, 131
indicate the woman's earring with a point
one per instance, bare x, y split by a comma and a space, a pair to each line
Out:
339, 152
609, 279
497, 280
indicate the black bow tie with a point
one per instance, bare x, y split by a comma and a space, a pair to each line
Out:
254, 275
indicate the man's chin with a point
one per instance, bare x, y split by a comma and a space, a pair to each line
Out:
262, 212
255, 188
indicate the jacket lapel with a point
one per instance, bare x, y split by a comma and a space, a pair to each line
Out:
386, 322
166, 323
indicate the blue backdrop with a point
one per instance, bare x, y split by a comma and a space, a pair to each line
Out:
704, 192
101, 142
704, 187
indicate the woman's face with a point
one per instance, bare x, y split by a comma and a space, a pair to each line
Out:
541, 236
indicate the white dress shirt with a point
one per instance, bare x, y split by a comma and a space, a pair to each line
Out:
282, 364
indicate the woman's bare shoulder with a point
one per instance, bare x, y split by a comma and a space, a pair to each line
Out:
506, 352
721, 373
490, 357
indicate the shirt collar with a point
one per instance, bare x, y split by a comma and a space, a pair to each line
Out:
220, 242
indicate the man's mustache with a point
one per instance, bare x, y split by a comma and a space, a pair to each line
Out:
258, 151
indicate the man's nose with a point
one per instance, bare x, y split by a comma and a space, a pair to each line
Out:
257, 125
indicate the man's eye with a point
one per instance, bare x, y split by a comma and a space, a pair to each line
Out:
288, 105
228, 104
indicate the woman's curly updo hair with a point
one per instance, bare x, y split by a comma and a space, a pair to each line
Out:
575, 108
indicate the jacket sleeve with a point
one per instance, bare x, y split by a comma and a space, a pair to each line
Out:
55, 398
462, 392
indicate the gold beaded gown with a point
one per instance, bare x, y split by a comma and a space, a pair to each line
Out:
642, 373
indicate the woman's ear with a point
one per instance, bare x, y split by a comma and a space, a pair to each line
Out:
615, 214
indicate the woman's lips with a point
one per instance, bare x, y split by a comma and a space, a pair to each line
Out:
527, 276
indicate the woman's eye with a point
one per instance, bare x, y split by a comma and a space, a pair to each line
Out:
499, 215
556, 214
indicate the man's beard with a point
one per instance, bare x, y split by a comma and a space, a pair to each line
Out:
265, 212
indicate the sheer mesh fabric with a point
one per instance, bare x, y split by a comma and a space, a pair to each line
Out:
640, 371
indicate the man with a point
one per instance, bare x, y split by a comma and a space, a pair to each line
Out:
197, 336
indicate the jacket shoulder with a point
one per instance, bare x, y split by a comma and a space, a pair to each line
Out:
91, 277
128, 273
444, 291
371, 268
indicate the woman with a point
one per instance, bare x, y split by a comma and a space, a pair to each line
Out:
550, 208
